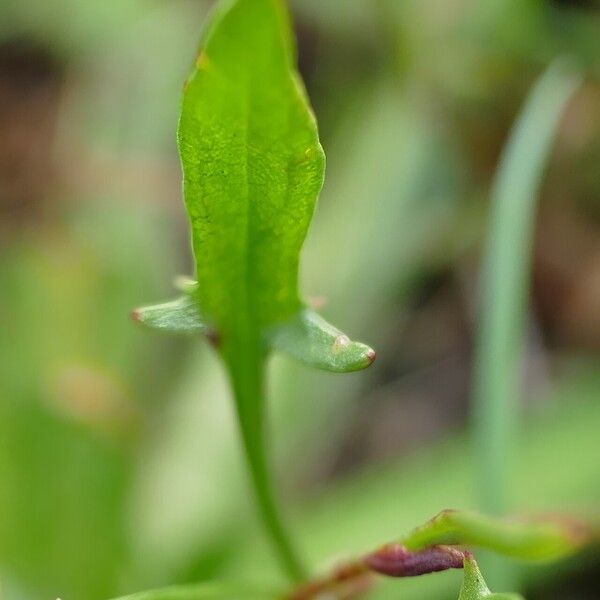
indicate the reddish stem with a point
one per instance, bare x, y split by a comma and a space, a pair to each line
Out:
393, 560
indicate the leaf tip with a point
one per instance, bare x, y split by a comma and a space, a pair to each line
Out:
364, 356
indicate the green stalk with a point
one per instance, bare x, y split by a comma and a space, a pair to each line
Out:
253, 168
505, 285
246, 363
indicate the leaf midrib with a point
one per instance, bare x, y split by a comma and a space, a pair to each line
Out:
253, 319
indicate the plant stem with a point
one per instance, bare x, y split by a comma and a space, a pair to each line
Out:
246, 363
505, 285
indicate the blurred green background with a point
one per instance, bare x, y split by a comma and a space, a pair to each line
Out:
119, 462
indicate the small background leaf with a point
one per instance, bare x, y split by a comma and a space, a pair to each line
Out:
313, 341
210, 591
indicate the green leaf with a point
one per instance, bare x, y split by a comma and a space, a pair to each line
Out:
540, 539
253, 167
180, 316
311, 340
307, 336
474, 586
210, 591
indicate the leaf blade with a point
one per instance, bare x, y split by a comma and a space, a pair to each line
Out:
310, 339
253, 166
179, 316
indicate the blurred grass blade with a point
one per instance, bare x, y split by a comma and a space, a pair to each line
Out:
544, 539
505, 277
505, 284
474, 586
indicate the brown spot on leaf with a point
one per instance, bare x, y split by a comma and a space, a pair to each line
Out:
202, 62
214, 337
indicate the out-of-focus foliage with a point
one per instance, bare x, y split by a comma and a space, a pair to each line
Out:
475, 588
119, 466
544, 539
